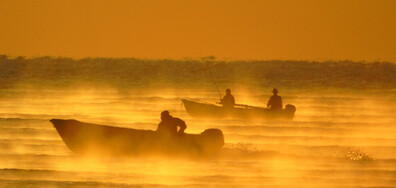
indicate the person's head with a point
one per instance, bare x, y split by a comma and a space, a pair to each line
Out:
275, 91
165, 115
228, 91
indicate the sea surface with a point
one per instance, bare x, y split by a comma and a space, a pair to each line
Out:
343, 133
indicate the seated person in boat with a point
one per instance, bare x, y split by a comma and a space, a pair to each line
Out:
169, 125
228, 100
275, 102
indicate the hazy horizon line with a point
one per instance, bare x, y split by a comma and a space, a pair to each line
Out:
203, 58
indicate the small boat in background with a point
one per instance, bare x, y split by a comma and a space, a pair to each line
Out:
93, 139
206, 110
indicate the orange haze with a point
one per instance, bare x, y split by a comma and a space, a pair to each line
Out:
227, 29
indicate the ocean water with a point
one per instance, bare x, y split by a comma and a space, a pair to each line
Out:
343, 133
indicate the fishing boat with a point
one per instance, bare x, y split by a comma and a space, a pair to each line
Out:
207, 110
94, 139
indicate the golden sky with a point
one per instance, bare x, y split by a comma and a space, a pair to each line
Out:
227, 29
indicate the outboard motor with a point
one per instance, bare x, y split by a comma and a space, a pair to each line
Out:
213, 140
290, 108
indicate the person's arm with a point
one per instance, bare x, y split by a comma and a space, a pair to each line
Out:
160, 127
269, 102
182, 126
222, 100
233, 101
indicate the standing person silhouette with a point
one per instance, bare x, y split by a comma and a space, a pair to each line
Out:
275, 102
228, 100
169, 125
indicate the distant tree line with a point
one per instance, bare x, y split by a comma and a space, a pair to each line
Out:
132, 72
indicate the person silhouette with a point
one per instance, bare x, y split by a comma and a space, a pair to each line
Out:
169, 125
228, 100
275, 102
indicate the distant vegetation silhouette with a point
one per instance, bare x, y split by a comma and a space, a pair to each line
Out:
127, 73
